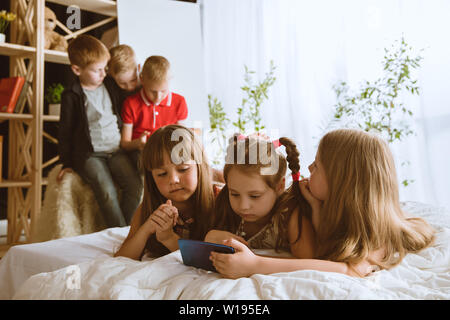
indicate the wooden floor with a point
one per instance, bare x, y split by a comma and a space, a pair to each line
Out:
3, 249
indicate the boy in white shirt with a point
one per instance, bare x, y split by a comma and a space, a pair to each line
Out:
89, 133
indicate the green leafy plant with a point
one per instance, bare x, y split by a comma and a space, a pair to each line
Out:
248, 113
377, 106
255, 94
218, 124
53, 93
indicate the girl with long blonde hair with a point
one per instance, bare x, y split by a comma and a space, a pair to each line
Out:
356, 213
359, 216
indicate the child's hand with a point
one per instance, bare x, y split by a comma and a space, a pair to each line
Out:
219, 236
360, 269
315, 203
143, 139
164, 235
165, 218
236, 265
306, 192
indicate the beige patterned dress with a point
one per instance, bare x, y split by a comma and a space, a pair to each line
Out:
266, 238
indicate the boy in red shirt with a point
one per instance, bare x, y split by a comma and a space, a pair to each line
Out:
154, 106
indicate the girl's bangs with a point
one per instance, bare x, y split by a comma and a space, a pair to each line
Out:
178, 151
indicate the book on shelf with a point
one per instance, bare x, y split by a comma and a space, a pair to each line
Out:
10, 89
22, 98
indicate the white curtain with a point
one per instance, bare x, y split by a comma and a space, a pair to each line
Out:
314, 44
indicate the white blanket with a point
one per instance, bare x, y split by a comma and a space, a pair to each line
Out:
24, 261
425, 275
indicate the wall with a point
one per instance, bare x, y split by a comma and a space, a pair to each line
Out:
171, 29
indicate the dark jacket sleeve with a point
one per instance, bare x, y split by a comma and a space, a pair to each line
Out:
117, 97
66, 128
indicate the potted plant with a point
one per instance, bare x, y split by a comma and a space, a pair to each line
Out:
5, 19
377, 106
248, 114
53, 98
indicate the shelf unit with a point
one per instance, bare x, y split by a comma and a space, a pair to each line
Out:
26, 130
104, 7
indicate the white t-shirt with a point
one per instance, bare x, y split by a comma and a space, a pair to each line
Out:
103, 127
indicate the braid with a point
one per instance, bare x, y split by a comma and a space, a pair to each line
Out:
292, 154
294, 190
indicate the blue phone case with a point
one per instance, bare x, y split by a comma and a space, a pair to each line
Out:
196, 253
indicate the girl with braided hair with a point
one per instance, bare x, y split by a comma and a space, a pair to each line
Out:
254, 208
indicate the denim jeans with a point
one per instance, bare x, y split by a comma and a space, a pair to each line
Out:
102, 171
135, 157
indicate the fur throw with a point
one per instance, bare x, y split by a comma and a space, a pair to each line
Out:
69, 209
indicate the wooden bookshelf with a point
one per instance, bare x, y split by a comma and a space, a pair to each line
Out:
27, 57
3, 249
104, 7
15, 116
50, 118
56, 57
14, 184
16, 50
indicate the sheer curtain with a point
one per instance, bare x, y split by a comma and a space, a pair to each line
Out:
314, 44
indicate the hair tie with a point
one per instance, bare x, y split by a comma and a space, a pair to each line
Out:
276, 143
241, 137
296, 176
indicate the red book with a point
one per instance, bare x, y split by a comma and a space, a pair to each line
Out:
10, 89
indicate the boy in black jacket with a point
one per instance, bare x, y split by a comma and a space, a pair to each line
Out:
89, 133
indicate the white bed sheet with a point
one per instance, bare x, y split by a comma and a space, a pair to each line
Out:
23, 261
425, 275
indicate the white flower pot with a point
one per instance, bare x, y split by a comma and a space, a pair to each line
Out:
54, 109
2, 37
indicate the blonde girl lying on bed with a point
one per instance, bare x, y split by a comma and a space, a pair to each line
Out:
178, 194
358, 222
